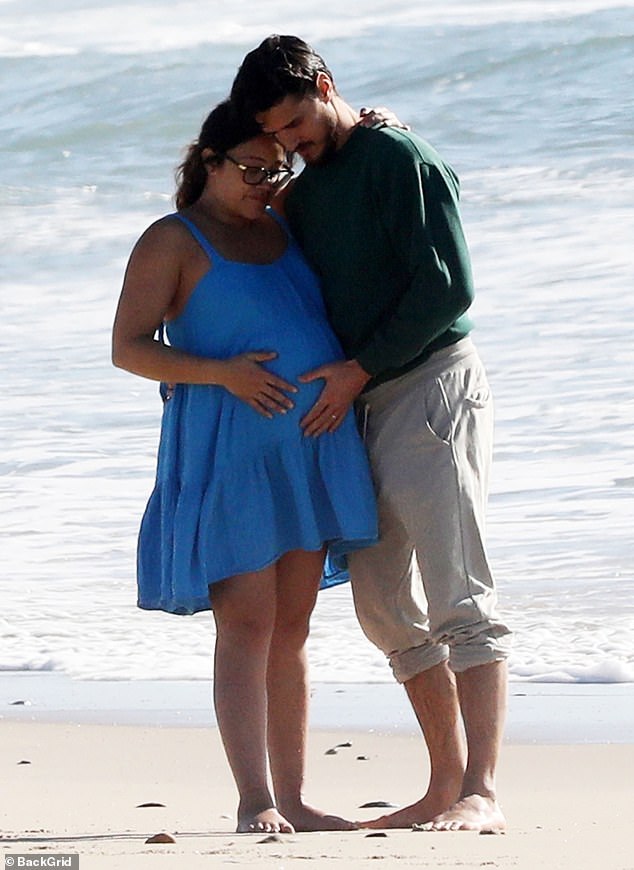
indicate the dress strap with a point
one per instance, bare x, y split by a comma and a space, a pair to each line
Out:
202, 240
206, 245
280, 219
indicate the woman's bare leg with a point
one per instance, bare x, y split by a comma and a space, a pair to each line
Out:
298, 577
244, 611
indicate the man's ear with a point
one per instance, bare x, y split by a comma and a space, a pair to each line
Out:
325, 87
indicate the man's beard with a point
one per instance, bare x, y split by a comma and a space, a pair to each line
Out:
329, 148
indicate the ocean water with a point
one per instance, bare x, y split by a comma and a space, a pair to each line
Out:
533, 105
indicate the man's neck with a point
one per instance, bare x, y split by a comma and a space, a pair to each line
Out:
347, 120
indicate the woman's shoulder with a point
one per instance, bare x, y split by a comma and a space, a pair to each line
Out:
166, 235
165, 228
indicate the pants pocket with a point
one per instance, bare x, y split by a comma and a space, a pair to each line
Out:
453, 394
438, 416
477, 390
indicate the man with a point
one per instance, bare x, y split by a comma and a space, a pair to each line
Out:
375, 211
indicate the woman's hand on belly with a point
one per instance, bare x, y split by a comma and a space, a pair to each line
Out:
265, 392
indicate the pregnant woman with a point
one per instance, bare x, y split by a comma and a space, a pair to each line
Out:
245, 505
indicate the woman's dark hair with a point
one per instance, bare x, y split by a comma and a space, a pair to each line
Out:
223, 129
279, 67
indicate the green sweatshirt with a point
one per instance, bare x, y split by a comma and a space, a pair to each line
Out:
379, 224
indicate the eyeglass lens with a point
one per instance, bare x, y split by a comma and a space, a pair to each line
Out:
257, 174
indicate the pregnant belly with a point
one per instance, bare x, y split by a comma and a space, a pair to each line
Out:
282, 425
234, 420
295, 361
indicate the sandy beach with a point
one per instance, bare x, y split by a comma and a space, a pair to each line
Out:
107, 734
78, 787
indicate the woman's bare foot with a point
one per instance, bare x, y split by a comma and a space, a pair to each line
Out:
307, 818
268, 821
471, 813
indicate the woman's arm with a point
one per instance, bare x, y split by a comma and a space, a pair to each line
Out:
152, 280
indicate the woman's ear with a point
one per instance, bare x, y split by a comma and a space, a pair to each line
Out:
210, 158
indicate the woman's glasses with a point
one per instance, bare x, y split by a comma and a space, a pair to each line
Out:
258, 174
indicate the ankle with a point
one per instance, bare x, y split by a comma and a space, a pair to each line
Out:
482, 788
289, 802
448, 779
255, 800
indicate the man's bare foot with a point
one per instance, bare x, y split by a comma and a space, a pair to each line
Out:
439, 798
471, 813
307, 818
424, 810
268, 821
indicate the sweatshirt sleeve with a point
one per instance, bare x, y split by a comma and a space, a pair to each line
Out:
418, 201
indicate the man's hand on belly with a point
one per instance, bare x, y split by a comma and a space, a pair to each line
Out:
344, 382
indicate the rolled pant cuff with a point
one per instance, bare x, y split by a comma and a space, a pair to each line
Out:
465, 657
414, 661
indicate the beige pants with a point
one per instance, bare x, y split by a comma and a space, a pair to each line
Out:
425, 591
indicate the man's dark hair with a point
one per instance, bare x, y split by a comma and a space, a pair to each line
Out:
279, 67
